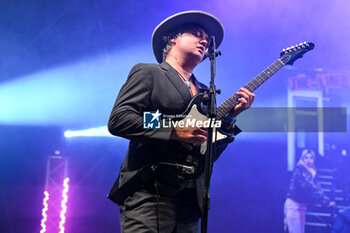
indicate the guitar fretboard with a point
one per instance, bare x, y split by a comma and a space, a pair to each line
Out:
228, 104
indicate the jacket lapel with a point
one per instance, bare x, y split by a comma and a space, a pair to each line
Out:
180, 86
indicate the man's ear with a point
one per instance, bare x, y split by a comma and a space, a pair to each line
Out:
173, 41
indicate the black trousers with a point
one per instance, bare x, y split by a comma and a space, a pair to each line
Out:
147, 212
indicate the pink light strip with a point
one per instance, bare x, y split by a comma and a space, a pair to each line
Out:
43, 212
63, 205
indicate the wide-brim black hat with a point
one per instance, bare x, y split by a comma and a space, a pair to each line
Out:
209, 22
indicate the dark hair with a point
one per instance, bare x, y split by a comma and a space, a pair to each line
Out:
168, 44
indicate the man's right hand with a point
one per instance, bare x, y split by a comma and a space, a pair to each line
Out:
194, 136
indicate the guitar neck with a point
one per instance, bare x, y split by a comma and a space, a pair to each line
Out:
231, 102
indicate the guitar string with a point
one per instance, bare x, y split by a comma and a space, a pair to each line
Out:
252, 85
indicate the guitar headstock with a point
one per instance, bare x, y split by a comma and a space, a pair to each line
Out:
291, 54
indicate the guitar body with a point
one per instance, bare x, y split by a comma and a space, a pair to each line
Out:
188, 164
197, 111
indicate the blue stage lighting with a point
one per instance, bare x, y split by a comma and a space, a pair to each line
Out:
92, 132
78, 95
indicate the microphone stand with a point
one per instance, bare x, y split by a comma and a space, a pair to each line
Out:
210, 98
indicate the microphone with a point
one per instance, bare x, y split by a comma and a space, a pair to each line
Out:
211, 49
208, 52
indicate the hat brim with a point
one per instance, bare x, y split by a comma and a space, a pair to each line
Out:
209, 22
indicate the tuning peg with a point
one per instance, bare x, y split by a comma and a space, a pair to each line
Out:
288, 48
300, 44
292, 47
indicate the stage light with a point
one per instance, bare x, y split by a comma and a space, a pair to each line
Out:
64, 205
80, 94
43, 212
101, 131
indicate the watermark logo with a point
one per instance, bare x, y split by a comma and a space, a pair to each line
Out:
151, 120
192, 122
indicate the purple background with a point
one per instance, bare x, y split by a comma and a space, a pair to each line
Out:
63, 62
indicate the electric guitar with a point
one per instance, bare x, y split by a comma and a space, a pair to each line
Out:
196, 110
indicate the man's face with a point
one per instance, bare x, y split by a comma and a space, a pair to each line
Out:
192, 43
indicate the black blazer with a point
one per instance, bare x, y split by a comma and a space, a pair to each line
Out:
149, 87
